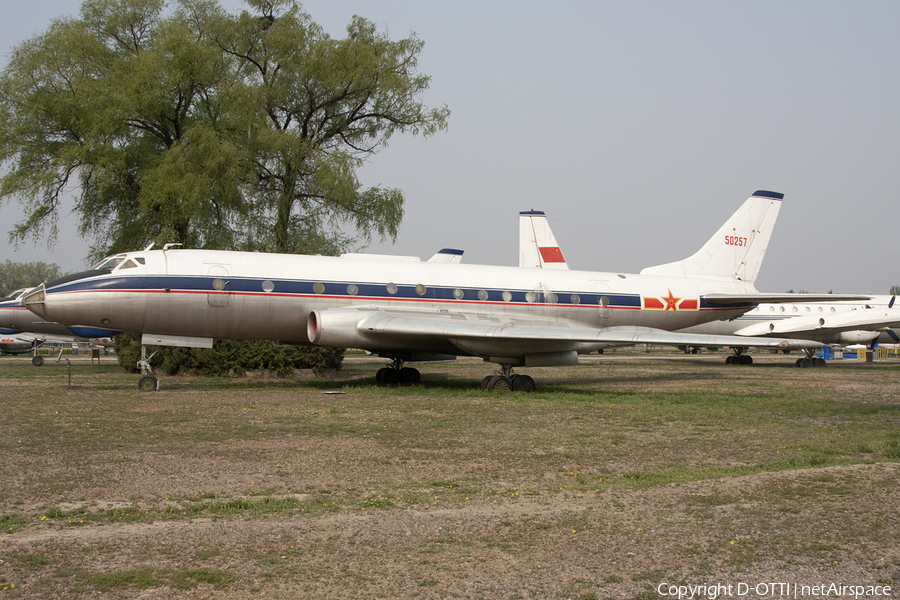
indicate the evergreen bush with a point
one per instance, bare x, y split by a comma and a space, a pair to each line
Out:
228, 357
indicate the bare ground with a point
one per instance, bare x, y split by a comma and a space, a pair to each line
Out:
616, 477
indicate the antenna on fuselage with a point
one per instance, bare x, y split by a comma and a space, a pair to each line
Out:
150, 245
167, 246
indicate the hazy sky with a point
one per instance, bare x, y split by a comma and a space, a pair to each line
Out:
639, 127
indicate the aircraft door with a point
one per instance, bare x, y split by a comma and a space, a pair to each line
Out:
220, 293
602, 290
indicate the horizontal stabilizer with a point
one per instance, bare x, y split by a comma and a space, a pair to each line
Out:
447, 255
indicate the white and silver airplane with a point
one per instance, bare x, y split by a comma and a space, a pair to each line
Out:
20, 327
867, 322
405, 309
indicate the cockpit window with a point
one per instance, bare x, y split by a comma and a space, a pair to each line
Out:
110, 263
128, 264
14, 295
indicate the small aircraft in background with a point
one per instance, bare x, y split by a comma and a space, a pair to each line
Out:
29, 343
15, 318
405, 309
19, 327
16, 344
869, 320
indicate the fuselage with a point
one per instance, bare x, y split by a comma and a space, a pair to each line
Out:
239, 295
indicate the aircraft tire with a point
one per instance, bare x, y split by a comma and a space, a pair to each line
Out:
523, 383
806, 363
486, 381
390, 376
37, 360
746, 359
819, 362
797, 362
729, 359
148, 383
499, 382
409, 376
379, 375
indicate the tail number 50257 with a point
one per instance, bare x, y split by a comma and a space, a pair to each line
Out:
734, 240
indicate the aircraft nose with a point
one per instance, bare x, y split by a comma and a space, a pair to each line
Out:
34, 301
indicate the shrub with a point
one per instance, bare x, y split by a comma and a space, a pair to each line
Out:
228, 356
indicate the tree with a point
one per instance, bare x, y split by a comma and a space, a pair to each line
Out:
14, 276
98, 104
211, 129
313, 108
895, 290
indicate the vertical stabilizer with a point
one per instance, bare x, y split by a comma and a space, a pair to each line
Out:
537, 244
736, 251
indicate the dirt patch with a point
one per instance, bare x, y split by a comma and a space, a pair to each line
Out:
618, 476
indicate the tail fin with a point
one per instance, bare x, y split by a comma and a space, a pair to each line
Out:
736, 251
537, 244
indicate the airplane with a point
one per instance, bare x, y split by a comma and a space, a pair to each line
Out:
17, 321
834, 323
15, 344
405, 309
845, 322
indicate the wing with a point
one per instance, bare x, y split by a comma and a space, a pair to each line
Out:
501, 339
815, 326
781, 298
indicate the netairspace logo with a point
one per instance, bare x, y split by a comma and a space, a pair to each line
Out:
771, 590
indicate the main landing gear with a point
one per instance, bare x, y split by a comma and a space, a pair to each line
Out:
739, 358
505, 380
396, 374
810, 360
148, 382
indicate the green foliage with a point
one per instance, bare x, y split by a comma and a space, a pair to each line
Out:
106, 582
192, 125
895, 290
184, 580
228, 357
14, 276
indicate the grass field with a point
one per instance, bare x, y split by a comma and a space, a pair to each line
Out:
619, 475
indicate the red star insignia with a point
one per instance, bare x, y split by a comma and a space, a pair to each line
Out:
671, 302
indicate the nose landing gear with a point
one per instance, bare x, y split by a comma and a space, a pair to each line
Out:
148, 381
